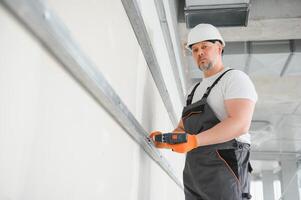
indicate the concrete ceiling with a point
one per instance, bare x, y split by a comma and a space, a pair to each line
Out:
269, 50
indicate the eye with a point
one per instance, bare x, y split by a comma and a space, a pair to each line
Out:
204, 47
195, 50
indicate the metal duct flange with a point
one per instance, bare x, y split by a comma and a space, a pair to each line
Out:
230, 13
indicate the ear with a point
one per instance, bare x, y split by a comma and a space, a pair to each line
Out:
220, 48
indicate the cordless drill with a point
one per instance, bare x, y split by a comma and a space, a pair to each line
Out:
171, 138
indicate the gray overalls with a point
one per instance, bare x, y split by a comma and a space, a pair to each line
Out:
213, 172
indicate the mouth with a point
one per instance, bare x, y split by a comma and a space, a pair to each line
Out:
202, 60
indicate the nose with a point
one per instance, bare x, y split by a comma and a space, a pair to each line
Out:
199, 54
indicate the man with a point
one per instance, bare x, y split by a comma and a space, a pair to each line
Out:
216, 120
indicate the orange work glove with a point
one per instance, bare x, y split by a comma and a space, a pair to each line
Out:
180, 148
187, 146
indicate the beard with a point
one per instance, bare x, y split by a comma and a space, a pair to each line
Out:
209, 65
206, 67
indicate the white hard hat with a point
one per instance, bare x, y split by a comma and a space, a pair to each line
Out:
203, 32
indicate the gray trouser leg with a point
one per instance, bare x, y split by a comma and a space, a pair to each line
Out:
191, 195
217, 174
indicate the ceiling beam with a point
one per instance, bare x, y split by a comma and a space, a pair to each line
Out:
248, 59
289, 58
274, 155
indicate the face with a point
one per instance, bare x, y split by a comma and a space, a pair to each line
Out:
206, 54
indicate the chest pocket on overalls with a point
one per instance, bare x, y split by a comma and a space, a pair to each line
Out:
199, 116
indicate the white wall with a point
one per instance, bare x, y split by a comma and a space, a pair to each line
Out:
56, 142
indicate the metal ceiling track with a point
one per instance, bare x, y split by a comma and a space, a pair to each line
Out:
53, 34
136, 20
171, 53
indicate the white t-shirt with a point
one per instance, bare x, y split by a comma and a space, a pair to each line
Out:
234, 84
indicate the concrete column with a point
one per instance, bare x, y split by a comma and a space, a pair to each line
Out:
268, 186
289, 181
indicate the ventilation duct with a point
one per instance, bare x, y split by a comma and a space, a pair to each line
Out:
218, 13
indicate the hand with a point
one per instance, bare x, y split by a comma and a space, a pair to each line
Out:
180, 148
187, 146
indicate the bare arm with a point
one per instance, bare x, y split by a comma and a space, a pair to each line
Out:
179, 128
240, 112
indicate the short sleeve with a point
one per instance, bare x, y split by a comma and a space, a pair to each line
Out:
240, 86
